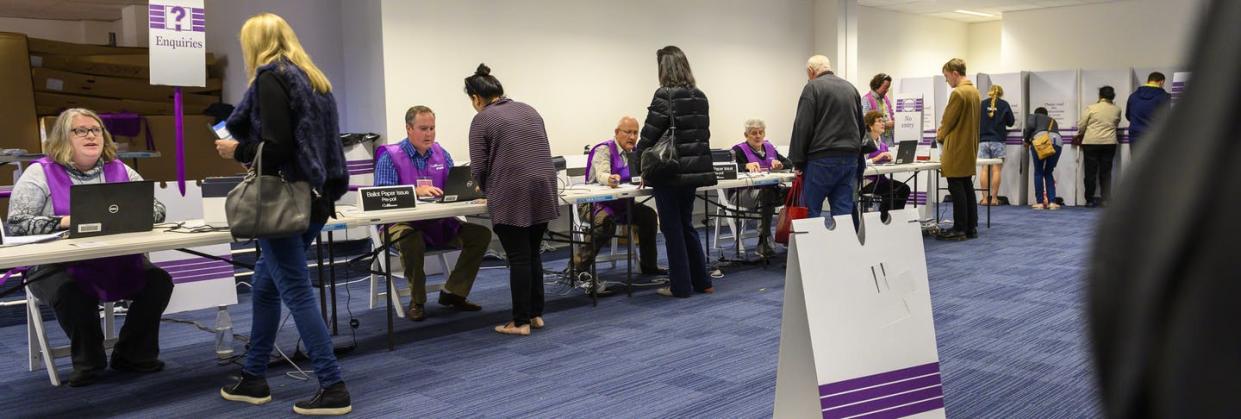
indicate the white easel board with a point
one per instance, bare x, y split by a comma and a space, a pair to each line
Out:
198, 282
858, 336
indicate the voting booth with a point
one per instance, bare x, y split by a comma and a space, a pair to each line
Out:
925, 88
1121, 80
1013, 183
857, 337
1139, 79
1058, 92
910, 121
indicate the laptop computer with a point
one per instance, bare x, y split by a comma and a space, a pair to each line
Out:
111, 208
460, 187
906, 152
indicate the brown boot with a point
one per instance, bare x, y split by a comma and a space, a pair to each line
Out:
416, 313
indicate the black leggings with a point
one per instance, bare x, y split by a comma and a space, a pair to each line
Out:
525, 276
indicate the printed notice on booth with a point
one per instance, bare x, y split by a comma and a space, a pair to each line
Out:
178, 42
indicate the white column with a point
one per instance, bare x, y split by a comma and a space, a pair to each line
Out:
835, 34
133, 26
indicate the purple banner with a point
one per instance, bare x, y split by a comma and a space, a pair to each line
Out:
877, 379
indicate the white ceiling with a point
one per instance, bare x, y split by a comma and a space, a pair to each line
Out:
101, 10
946, 8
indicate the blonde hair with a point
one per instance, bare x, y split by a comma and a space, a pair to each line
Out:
59, 146
956, 65
267, 37
996, 91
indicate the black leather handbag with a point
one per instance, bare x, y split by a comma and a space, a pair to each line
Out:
661, 161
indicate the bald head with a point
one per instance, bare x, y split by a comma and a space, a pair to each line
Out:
817, 65
627, 133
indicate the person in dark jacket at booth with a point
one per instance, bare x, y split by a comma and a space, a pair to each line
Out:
1144, 105
680, 110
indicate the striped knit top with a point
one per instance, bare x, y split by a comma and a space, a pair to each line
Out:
512, 161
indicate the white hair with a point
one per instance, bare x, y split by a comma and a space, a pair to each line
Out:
819, 64
755, 123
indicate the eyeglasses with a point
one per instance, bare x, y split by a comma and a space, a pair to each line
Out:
82, 132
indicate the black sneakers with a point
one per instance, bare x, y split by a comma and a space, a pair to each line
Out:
330, 401
250, 389
458, 302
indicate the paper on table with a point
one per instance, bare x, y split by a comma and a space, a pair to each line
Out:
37, 238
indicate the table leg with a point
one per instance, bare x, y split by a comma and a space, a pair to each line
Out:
629, 243
391, 290
331, 256
594, 261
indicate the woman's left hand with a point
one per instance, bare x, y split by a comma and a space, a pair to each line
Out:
226, 148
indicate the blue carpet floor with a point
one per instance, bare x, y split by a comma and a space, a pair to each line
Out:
1008, 313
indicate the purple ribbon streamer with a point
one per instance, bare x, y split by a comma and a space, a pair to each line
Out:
179, 117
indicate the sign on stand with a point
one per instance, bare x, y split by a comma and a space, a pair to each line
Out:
178, 48
857, 336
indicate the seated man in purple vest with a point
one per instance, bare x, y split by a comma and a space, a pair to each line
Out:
419, 160
754, 155
81, 151
608, 164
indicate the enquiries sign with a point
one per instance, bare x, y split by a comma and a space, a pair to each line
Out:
178, 31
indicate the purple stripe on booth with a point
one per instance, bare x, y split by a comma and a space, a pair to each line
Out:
877, 379
354, 188
906, 410
885, 390
197, 266
885, 403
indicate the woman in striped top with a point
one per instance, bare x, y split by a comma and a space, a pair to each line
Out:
512, 161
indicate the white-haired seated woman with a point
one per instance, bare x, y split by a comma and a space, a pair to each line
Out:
756, 155
80, 152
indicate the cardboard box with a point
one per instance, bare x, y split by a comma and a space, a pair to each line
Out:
57, 81
18, 127
201, 159
129, 66
47, 46
63, 101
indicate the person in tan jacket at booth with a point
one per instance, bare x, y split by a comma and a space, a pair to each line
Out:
958, 137
1099, 123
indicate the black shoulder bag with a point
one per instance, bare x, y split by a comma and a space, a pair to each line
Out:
661, 160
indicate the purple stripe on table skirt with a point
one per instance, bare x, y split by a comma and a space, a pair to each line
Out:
884, 403
360, 172
906, 410
877, 379
885, 390
196, 278
360, 167
189, 261
354, 188
368, 161
194, 266
217, 272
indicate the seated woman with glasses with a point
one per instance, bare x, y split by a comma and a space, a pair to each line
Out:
80, 151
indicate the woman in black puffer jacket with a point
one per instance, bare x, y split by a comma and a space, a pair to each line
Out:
677, 97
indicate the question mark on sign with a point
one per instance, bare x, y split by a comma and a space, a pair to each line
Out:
180, 12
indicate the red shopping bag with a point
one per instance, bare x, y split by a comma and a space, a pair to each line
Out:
794, 209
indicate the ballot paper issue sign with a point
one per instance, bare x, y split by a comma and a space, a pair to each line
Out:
381, 198
857, 338
178, 42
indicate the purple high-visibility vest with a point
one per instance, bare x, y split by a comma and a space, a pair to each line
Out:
887, 101
434, 232
615, 208
111, 278
769, 149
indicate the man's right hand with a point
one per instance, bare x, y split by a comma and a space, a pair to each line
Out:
614, 180
429, 191
64, 222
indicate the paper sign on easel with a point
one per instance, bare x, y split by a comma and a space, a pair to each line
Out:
857, 337
178, 48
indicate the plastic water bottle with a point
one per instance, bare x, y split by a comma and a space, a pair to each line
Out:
223, 334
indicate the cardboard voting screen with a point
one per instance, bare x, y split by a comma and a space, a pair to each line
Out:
198, 282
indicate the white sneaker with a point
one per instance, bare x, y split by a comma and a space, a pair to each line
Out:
1053, 207
1037, 207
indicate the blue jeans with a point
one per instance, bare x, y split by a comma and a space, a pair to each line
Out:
280, 275
831, 178
687, 264
1044, 174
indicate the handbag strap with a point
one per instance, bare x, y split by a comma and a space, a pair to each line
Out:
672, 113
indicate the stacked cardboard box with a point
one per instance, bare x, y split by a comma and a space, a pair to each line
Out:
106, 79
